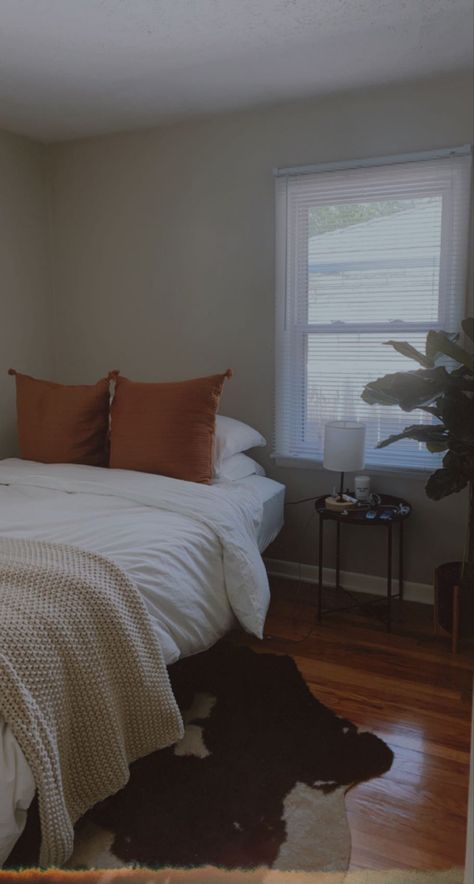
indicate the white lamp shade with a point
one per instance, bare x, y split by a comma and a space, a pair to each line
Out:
344, 443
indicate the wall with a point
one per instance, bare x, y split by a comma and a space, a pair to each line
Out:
164, 265
25, 326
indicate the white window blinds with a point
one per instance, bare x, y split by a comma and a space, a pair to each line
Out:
363, 255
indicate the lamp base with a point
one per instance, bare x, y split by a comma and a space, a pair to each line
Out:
332, 503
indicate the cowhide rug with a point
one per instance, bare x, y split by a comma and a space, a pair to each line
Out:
258, 779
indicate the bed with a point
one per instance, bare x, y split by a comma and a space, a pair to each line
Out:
193, 552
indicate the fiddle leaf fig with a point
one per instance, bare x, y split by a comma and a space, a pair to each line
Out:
408, 389
445, 393
456, 410
441, 343
444, 482
468, 327
407, 349
432, 434
461, 379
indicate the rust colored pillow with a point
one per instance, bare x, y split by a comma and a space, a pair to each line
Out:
62, 424
166, 428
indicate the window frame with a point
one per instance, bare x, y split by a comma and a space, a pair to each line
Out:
284, 271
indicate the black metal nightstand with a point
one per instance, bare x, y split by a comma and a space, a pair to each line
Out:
387, 512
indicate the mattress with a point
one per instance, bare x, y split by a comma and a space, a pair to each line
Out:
272, 497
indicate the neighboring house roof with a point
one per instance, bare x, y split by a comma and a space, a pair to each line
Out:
410, 238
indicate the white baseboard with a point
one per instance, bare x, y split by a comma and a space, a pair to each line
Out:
413, 592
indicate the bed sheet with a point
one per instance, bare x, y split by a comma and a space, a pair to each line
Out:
272, 496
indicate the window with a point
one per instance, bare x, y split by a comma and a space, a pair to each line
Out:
364, 254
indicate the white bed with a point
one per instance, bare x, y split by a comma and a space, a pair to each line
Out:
192, 551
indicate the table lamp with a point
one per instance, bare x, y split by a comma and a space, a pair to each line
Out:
344, 443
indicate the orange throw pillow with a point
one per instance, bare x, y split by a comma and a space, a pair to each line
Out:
62, 424
166, 428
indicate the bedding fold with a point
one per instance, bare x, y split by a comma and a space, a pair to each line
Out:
83, 683
233, 519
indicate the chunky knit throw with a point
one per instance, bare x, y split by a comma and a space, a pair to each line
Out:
83, 683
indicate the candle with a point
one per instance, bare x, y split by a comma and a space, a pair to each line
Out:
362, 488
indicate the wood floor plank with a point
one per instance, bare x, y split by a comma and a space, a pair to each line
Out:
408, 688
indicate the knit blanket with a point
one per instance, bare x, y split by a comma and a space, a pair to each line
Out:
83, 683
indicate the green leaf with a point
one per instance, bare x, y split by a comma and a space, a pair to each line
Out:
468, 327
434, 434
431, 345
408, 389
444, 482
441, 343
460, 459
411, 352
461, 379
457, 413
436, 447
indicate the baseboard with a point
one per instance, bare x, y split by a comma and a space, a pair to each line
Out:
413, 592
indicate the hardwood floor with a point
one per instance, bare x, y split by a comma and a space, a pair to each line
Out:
412, 692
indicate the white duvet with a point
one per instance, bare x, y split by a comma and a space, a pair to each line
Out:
190, 549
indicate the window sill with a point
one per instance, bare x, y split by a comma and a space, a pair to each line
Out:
306, 463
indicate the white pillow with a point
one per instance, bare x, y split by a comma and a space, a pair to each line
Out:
232, 437
239, 466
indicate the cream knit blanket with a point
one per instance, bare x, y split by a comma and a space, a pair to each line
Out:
83, 683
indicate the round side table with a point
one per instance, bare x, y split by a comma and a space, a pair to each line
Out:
388, 511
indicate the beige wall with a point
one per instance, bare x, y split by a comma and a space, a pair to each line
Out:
25, 323
164, 264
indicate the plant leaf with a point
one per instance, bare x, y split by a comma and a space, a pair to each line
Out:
457, 414
431, 345
408, 389
411, 352
435, 434
468, 327
461, 379
441, 343
444, 482
436, 447
460, 459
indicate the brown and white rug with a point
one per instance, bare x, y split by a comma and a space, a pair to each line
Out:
257, 781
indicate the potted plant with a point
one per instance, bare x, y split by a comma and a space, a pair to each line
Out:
443, 388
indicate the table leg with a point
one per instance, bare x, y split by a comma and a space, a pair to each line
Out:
435, 606
400, 562
338, 553
389, 579
320, 575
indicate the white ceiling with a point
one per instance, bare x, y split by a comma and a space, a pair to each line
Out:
71, 68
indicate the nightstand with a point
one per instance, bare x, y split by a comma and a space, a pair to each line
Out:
389, 512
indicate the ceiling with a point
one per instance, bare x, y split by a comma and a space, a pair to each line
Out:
71, 68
